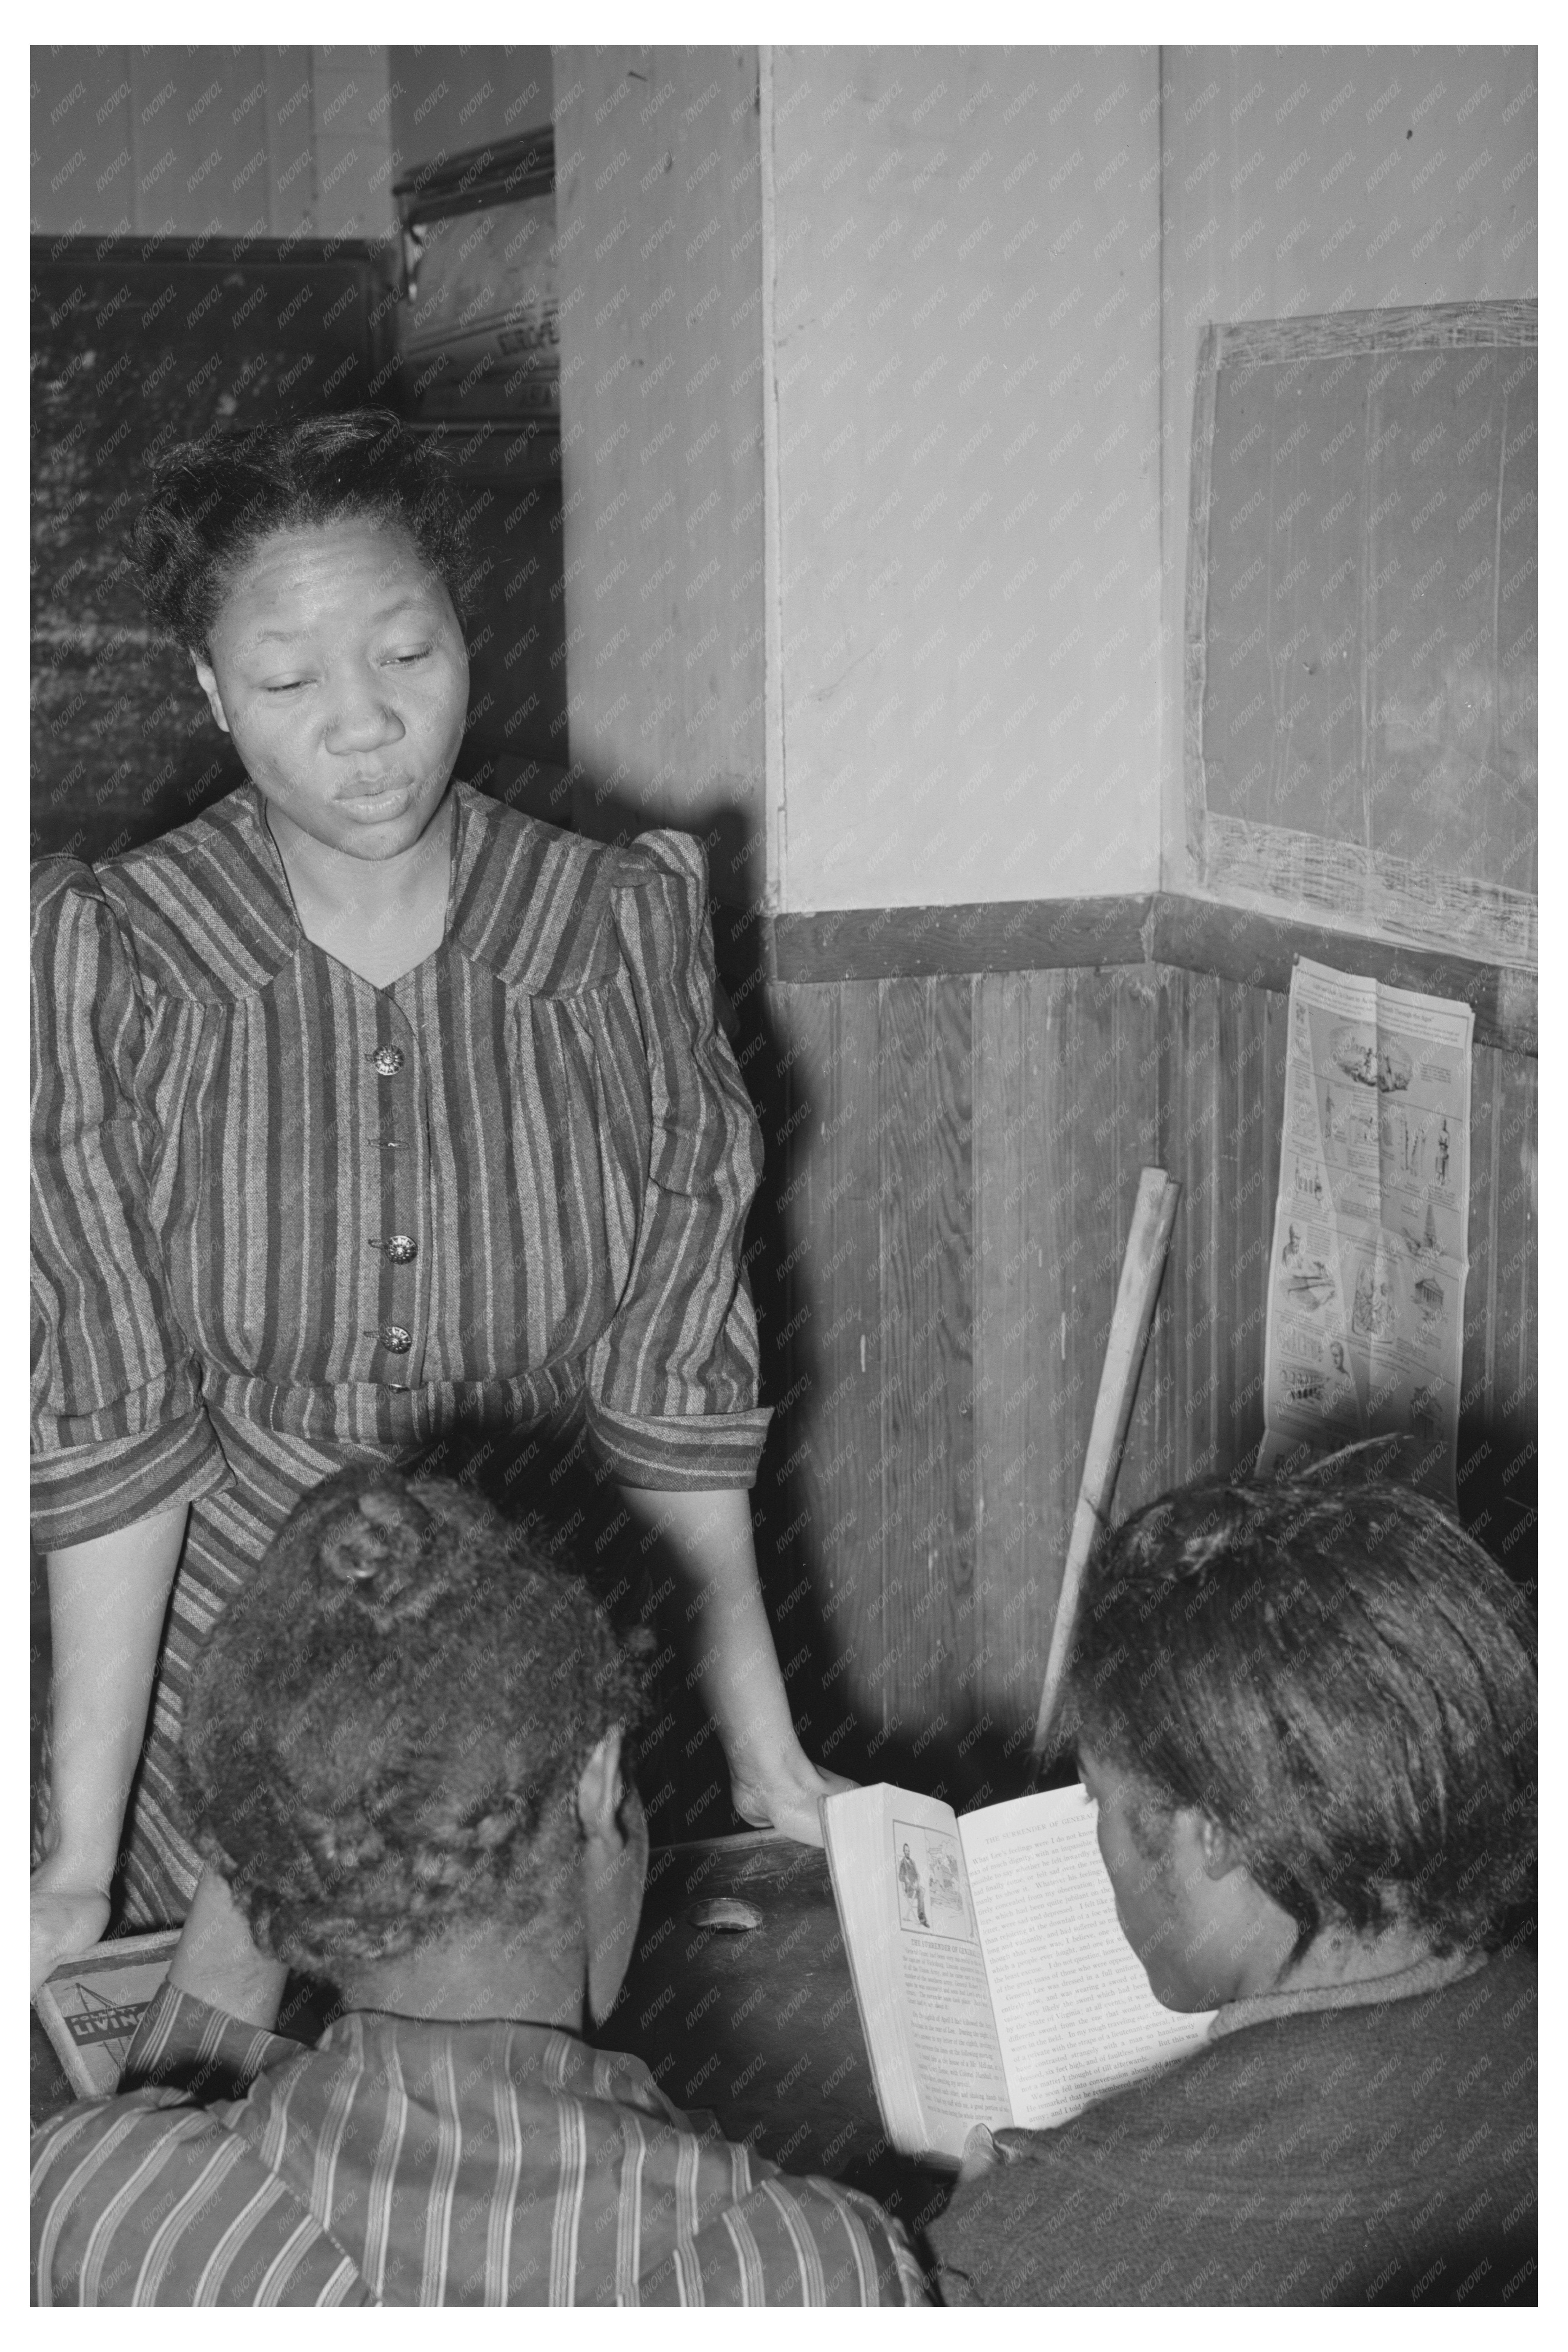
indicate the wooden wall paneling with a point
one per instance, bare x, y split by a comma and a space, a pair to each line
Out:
1082, 1239
1134, 1110
1167, 1333
1015, 1333
1188, 1377
1228, 1293
1055, 1421
1073, 1256
1497, 1473
1214, 1039
1201, 1440
1267, 1024
1514, 1303
1169, 1309
787, 1063
1000, 935
821, 1495
1228, 1299
1277, 1017
1477, 1447
1244, 1153
1065, 1117
1261, 948
959, 1164
1164, 926
1227, 1296
927, 1196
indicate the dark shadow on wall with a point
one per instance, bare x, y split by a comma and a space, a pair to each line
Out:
686, 1754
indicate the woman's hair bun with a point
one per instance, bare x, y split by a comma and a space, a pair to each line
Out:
388, 1723
376, 1538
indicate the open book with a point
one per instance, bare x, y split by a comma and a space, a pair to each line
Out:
994, 1981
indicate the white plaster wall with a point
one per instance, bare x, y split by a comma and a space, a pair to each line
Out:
449, 99
1302, 181
964, 298
659, 232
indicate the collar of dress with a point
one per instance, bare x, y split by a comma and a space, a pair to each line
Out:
530, 902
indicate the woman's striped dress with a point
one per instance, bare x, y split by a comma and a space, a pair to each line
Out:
284, 1219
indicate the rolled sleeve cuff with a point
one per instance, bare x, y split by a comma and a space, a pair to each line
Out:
692, 1452
83, 1491
183, 2044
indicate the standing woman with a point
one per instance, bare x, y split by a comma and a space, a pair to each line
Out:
366, 1111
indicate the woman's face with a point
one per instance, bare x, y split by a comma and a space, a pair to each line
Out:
338, 668
1191, 1929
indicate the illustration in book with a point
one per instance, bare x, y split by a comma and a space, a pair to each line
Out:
929, 1872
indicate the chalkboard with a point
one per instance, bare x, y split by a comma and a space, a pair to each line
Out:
138, 343
1360, 635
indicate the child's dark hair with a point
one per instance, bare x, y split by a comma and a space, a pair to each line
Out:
1343, 1679
387, 1724
213, 501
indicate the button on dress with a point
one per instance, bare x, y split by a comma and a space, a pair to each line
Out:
284, 1219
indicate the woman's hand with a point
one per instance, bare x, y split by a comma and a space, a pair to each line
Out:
66, 1919
788, 1801
984, 2150
981, 2155
773, 1783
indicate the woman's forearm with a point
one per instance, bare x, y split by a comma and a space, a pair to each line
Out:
710, 1537
106, 1604
771, 1781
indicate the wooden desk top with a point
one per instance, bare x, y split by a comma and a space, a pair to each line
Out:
760, 2027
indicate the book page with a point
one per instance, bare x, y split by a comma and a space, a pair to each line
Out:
952, 2032
1074, 2014
919, 1974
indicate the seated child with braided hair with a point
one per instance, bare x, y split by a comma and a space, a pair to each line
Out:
407, 1756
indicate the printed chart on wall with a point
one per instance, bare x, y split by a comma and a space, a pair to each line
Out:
1366, 1277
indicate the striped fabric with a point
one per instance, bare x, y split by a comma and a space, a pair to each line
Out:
411, 2161
284, 1219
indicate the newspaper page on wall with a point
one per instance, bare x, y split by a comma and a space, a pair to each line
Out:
1367, 1277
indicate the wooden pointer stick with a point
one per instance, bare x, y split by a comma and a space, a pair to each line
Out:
1141, 1265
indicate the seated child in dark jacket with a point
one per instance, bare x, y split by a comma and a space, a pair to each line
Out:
1306, 1717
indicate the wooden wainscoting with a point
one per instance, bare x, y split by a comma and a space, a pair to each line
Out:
952, 1162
